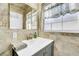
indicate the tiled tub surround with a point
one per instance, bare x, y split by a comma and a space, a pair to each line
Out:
66, 44
5, 35
4, 15
22, 34
5, 45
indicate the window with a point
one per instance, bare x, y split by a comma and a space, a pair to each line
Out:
15, 20
31, 22
28, 22
52, 17
61, 17
47, 20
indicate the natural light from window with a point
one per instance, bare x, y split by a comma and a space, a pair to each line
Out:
16, 20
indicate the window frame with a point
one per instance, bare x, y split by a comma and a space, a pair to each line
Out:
16, 16
31, 14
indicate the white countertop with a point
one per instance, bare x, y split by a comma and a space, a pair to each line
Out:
34, 45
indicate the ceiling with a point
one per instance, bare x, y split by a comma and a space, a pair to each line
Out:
26, 8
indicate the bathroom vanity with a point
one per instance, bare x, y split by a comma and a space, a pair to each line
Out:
37, 47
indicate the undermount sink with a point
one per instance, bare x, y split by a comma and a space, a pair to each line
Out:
18, 45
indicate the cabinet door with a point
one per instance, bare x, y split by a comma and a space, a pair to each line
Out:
49, 50
40, 53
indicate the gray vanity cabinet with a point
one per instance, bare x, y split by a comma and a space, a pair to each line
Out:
46, 51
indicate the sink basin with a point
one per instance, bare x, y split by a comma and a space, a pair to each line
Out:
18, 45
21, 47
